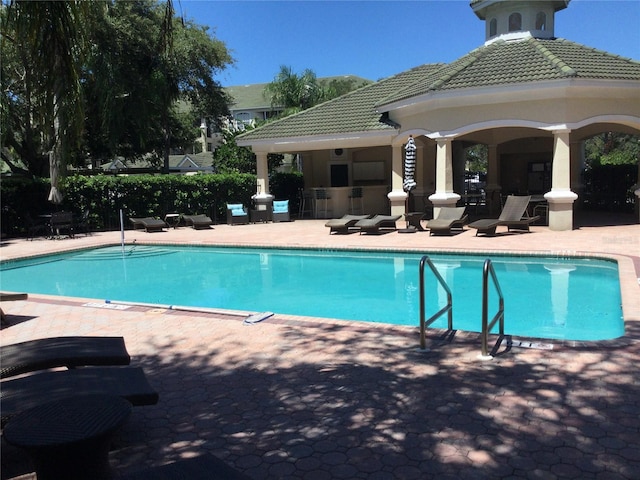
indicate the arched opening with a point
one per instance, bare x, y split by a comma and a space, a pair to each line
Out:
515, 22
493, 27
541, 21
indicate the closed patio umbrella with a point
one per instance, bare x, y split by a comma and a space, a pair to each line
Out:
409, 182
55, 195
409, 165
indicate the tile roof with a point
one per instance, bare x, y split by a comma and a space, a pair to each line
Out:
498, 63
352, 112
516, 62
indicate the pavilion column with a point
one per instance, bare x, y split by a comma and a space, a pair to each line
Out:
262, 182
561, 197
397, 196
493, 188
577, 166
444, 196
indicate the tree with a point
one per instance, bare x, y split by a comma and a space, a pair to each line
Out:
611, 148
336, 87
293, 92
144, 78
228, 157
48, 37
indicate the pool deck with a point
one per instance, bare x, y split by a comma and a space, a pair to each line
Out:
308, 398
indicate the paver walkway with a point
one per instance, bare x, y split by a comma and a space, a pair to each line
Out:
305, 398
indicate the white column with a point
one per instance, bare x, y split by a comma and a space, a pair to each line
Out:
444, 196
561, 197
493, 188
397, 196
262, 195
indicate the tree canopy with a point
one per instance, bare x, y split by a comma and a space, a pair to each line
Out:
130, 68
294, 92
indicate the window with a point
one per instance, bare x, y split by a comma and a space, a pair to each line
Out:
493, 27
541, 21
515, 22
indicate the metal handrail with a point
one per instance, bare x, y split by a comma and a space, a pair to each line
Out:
448, 308
486, 326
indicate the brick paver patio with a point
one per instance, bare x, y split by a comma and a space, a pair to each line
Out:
306, 398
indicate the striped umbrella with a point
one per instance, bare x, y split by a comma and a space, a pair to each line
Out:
409, 165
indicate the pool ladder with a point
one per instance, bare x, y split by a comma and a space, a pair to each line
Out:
446, 309
487, 272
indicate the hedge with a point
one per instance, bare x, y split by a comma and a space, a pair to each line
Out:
143, 195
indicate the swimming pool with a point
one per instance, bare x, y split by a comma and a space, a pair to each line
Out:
545, 297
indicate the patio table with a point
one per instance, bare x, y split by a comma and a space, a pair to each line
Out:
69, 438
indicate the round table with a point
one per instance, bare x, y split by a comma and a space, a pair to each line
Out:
69, 438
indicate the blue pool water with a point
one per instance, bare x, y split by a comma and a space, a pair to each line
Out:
573, 299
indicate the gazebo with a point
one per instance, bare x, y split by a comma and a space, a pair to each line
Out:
530, 97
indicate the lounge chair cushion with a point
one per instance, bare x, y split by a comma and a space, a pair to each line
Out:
70, 352
281, 206
237, 209
22, 393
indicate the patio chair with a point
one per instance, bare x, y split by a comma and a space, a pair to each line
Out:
22, 393
377, 223
70, 352
198, 222
149, 224
36, 228
512, 216
280, 212
62, 222
237, 214
344, 224
83, 223
449, 218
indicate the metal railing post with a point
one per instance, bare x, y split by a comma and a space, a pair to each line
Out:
448, 308
486, 325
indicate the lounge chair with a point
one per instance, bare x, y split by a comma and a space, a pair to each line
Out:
19, 394
344, 224
280, 211
449, 218
149, 224
10, 297
197, 221
70, 352
237, 214
512, 216
377, 223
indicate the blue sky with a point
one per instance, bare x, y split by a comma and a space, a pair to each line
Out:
376, 39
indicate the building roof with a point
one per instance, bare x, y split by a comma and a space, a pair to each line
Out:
252, 97
498, 63
529, 60
352, 112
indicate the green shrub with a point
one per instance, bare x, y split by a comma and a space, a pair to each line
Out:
145, 195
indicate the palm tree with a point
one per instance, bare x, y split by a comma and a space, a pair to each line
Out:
52, 32
293, 92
